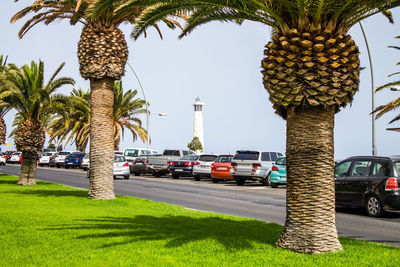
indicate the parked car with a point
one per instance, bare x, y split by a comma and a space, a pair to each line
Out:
52, 159
59, 160
8, 154
183, 166
369, 182
277, 176
159, 166
44, 158
85, 162
3, 158
121, 167
252, 165
74, 160
16, 157
220, 168
202, 168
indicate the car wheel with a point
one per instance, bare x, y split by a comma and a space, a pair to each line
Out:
156, 174
88, 173
114, 177
373, 206
267, 180
126, 177
197, 177
175, 176
215, 181
240, 181
58, 166
136, 173
67, 167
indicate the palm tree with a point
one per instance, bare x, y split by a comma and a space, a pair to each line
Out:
3, 107
24, 90
392, 105
102, 54
72, 120
311, 70
126, 110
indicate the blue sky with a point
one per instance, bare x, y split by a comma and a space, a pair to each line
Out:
220, 63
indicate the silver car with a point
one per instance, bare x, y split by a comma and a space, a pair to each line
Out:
202, 167
252, 165
121, 167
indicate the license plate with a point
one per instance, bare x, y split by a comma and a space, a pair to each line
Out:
178, 170
222, 168
139, 163
69, 163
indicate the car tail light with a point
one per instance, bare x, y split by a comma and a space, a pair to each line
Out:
233, 164
212, 165
197, 163
168, 162
126, 164
274, 168
189, 164
256, 165
172, 163
77, 159
147, 161
391, 184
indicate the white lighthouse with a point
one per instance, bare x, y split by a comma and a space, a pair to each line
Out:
198, 129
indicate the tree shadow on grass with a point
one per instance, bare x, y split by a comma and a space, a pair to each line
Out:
177, 231
51, 193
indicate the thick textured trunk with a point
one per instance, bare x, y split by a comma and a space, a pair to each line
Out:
2, 131
101, 139
116, 144
27, 175
310, 196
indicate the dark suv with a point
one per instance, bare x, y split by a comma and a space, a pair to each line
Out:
368, 182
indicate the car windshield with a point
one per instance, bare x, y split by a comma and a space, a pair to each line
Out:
119, 159
118, 153
63, 153
17, 154
207, 158
189, 157
224, 159
171, 153
247, 155
47, 154
145, 152
131, 152
281, 161
75, 155
86, 156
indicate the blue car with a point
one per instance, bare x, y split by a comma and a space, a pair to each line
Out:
278, 172
74, 160
183, 166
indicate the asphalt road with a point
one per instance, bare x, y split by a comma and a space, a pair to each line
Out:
251, 200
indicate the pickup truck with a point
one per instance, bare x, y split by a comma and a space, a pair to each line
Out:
159, 166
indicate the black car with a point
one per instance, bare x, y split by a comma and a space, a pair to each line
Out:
370, 182
183, 166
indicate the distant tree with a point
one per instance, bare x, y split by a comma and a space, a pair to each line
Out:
52, 146
195, 145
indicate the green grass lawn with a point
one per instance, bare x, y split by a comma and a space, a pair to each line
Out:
56, 225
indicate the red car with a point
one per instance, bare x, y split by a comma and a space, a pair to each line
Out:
220, 168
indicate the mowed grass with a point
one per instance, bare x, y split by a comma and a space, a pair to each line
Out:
56, 225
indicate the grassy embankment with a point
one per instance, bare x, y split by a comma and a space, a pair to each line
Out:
50, 224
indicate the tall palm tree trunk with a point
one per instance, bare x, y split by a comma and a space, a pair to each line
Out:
101, 139
116, 144
310, 216
27, 175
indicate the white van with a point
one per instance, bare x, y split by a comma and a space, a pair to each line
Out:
252, 165
133, 153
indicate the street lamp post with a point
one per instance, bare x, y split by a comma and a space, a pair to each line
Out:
374, 150
162, 114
